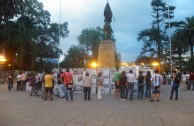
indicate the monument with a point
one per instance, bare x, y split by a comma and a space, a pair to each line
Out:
107, 49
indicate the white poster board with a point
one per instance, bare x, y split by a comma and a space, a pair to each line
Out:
78, 79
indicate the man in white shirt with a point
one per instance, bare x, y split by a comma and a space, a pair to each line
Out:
131, 80
156, 81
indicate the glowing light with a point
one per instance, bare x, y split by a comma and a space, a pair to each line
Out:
2, 58
94, 64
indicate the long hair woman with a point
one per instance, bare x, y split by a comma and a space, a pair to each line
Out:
123, 85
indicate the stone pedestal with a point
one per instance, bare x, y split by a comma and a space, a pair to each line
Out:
107, 54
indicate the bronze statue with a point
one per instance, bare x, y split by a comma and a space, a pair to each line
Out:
108, 18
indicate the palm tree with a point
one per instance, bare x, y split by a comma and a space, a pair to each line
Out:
179, 46
187, 30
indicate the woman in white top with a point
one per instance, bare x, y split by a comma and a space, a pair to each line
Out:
99, 82
87, 86
184, 78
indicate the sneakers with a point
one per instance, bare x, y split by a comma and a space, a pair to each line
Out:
151, 100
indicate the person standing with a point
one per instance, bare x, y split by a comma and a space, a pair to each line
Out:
148, 84
184, 79
68, 82
156, 81
87, 86
116, 79
140, 79
49, 83
99, 82
131, 80
29, 82
23, 80
191, 80
61, 85
175, 85
10, 81
123, 84
18, 81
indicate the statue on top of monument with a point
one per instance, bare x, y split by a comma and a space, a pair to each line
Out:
108, 18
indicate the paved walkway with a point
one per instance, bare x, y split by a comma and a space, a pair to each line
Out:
17, 108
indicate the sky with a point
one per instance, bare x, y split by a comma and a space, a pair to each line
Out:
131, 17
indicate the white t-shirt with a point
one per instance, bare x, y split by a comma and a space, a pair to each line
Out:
156, 79
184, 77
131, 77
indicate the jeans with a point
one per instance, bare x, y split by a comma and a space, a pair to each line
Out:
148, 90
140, 90
123, 91
70, 93
87, 91
23, 85
131, 88
191, 82
62, 90
174, 88
18, 85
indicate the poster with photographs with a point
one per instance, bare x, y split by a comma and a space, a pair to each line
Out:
78, 79
92, 73
112, 83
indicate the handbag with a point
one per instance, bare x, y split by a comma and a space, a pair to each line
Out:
118, 83
69, 85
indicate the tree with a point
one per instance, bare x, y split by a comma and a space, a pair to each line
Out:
90, 40
179, 47
155, 39
9, 9
32, 35
187, 29
75, 58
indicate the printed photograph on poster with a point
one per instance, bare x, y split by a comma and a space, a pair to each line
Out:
78, 88
92, 73
78, 71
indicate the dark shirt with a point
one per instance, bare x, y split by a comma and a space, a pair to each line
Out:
59, 78
123, 81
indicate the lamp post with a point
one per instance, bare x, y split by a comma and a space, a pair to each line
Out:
170, 36
59, 30
94, 65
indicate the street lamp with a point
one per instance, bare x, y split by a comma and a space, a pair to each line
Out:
2, 59
170, 35
94, 65
155, 64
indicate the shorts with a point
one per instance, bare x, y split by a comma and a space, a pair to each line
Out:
156, 90
49, 89
117, 86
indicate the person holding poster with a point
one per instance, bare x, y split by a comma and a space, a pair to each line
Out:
99, 82
87, 86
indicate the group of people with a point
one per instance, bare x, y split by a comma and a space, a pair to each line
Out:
124, 83
44, 81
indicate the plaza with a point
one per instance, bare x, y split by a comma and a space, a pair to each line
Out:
17, 108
